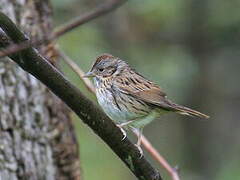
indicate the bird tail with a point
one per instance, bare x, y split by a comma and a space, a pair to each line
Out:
190, 112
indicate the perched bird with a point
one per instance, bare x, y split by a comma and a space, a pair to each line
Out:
128, 98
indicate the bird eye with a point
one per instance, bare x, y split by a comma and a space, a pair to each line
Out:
101, 69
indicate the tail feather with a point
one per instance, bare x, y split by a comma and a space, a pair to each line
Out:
190, 112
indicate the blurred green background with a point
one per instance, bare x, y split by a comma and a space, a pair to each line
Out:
192, 49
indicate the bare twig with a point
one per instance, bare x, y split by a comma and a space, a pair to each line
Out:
32, 62
97, 12
147, 145
77, 70
157, 156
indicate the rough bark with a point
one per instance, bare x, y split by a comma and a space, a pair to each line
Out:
36, 135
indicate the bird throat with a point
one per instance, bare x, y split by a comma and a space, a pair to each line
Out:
101, 82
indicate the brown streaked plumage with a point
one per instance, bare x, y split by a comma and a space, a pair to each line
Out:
127, 97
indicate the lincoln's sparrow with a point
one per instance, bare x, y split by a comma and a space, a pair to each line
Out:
128, 98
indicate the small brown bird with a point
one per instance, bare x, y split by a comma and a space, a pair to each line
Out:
128, 98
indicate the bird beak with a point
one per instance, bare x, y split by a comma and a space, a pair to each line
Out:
89, 74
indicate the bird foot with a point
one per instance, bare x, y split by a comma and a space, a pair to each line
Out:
176, 168
140, 150
123, 131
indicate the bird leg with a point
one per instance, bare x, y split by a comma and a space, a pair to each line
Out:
140, 131
139, 136
123, 125
138, 125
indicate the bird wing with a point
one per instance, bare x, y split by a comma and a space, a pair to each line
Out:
137, 86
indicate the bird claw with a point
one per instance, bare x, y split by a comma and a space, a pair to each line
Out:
123, 132
176, 168
140, 150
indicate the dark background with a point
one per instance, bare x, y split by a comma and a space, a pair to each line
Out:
191, 49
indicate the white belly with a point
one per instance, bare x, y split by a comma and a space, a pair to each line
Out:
107, 102
117, 112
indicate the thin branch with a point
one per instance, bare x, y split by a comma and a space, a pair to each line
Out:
31, 61
157, 156
97, 12
147, 145
77, 70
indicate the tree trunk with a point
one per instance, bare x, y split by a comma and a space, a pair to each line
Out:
37, 139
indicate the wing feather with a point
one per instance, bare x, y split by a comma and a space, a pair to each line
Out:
139, 87
147, 91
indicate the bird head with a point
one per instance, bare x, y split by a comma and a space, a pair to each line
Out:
106, 66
